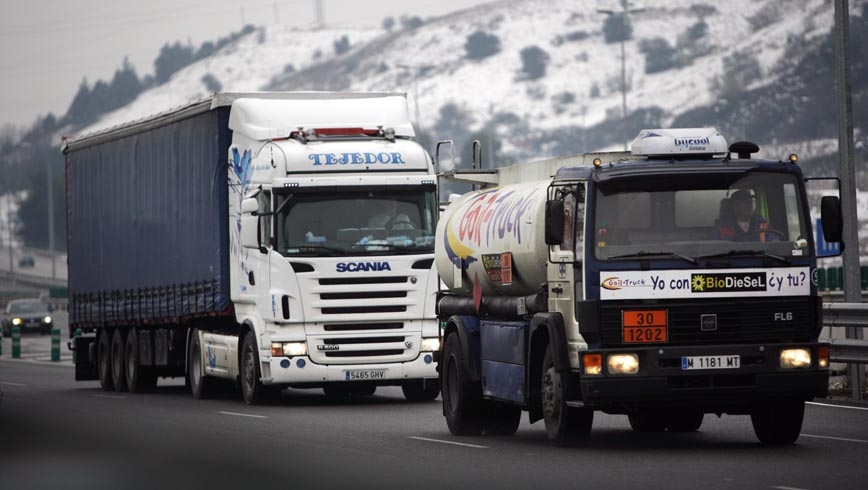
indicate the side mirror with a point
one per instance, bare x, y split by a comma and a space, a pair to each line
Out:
250, 231
554, 222
831, 216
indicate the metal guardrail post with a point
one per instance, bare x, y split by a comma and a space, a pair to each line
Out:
55, 344
16, 342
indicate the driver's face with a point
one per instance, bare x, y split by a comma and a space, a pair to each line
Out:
743, 208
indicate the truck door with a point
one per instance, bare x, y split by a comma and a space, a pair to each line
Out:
565, 271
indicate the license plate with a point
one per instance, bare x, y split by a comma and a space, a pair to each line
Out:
365, 375
689, 363
644, 326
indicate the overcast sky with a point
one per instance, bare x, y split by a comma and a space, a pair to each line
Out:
48, 46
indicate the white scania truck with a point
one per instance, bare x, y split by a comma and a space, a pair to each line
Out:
617, 282
271, 239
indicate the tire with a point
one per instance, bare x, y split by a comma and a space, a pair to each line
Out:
685, 421
565, 425
419, 390
502, 420
118, 360
104, 361
252, 390
132, 368
648, 420
777, 421
201, 386
462, 399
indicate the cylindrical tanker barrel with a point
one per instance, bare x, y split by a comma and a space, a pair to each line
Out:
494, 238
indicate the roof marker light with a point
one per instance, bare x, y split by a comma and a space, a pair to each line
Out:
793, 158
598, 163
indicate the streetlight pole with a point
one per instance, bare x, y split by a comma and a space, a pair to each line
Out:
625, 12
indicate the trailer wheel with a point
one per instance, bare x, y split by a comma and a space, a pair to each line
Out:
502, 420
565, 425
419, 390
251, 387
777, 421
462, 399
118, 360
201, 386
139, 378
103, 366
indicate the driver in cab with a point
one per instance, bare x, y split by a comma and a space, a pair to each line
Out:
740, 222
390, 218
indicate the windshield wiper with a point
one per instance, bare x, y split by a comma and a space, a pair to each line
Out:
655, 254
390, 246
747, 253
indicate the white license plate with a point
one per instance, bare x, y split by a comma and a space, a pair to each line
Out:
689, 363
365, 375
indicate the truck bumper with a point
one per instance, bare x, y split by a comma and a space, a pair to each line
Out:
301, 371
662, 381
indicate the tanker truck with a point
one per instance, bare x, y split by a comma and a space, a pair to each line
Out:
607, 282
235, 240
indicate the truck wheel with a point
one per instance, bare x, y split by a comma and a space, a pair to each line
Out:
685, 421
252, 389
103, 366
502, 420
200, 385
565, 425
118, 361
462, 399
419, 390
648, 420
777, 421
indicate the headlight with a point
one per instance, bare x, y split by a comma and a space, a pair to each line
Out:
16, 321
47, 319
430, 345
623, 363
288, 349
795, 358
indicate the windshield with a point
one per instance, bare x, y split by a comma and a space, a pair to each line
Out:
385, 221
19, 308
757, 213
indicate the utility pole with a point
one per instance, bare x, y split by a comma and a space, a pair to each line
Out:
847, 173
50, 190
625, 13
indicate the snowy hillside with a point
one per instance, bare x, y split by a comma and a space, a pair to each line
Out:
536, 78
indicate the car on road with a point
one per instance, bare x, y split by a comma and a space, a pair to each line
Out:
26, 261
28, 314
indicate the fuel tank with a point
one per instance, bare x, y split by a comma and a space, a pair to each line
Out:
494, 238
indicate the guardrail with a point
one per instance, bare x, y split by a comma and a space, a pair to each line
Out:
847, 315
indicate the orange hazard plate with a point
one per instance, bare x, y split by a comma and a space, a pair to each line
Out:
645, 326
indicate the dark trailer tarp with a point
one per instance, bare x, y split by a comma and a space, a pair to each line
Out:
147, 225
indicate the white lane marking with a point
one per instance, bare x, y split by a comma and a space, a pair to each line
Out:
788, 488
449, 442
113, 397
836, 406
243, 415
9, 383
835, 438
